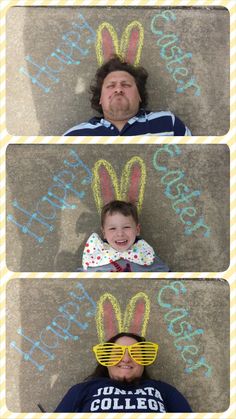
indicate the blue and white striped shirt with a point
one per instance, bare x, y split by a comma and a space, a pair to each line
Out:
144, 122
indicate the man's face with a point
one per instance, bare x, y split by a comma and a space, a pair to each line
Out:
119, 96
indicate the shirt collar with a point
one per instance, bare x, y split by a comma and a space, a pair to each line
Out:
98, 253
108, 124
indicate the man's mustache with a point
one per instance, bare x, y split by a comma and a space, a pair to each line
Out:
115, 95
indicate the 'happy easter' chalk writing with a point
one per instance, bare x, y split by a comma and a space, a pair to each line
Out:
63, 328
182, 331
67, 53
40, 222
172, 54
179, 193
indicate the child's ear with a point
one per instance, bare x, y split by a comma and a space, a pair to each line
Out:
138, 229
103, 232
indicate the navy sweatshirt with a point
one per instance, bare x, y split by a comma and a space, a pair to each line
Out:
106, 395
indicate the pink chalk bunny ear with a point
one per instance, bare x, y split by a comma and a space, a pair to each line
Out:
131, 44
137, 314
104, 184
110, 321
133, 182
107, 43
108, 318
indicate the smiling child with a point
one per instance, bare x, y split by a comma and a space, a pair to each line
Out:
121, 248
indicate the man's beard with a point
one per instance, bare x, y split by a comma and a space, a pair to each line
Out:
119, 108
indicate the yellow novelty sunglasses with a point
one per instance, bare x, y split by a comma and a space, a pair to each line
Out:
109, 354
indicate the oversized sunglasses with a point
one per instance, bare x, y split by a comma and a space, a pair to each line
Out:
109, 354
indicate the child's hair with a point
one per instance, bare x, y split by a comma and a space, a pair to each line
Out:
125, 208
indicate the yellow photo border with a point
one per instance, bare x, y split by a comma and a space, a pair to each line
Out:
229, 274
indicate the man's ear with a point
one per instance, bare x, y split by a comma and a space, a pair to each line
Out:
140, 100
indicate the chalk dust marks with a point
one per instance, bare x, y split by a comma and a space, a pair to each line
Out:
69, 239
53, 379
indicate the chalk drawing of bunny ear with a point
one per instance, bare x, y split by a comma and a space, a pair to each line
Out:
106, 187
104, 184
130, 48
137, 314
132, 43
110, 321
107, 44
108, 318
133, 182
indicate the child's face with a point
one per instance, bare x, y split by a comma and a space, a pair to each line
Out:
120, 231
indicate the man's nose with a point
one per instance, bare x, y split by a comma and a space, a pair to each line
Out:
119, 89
